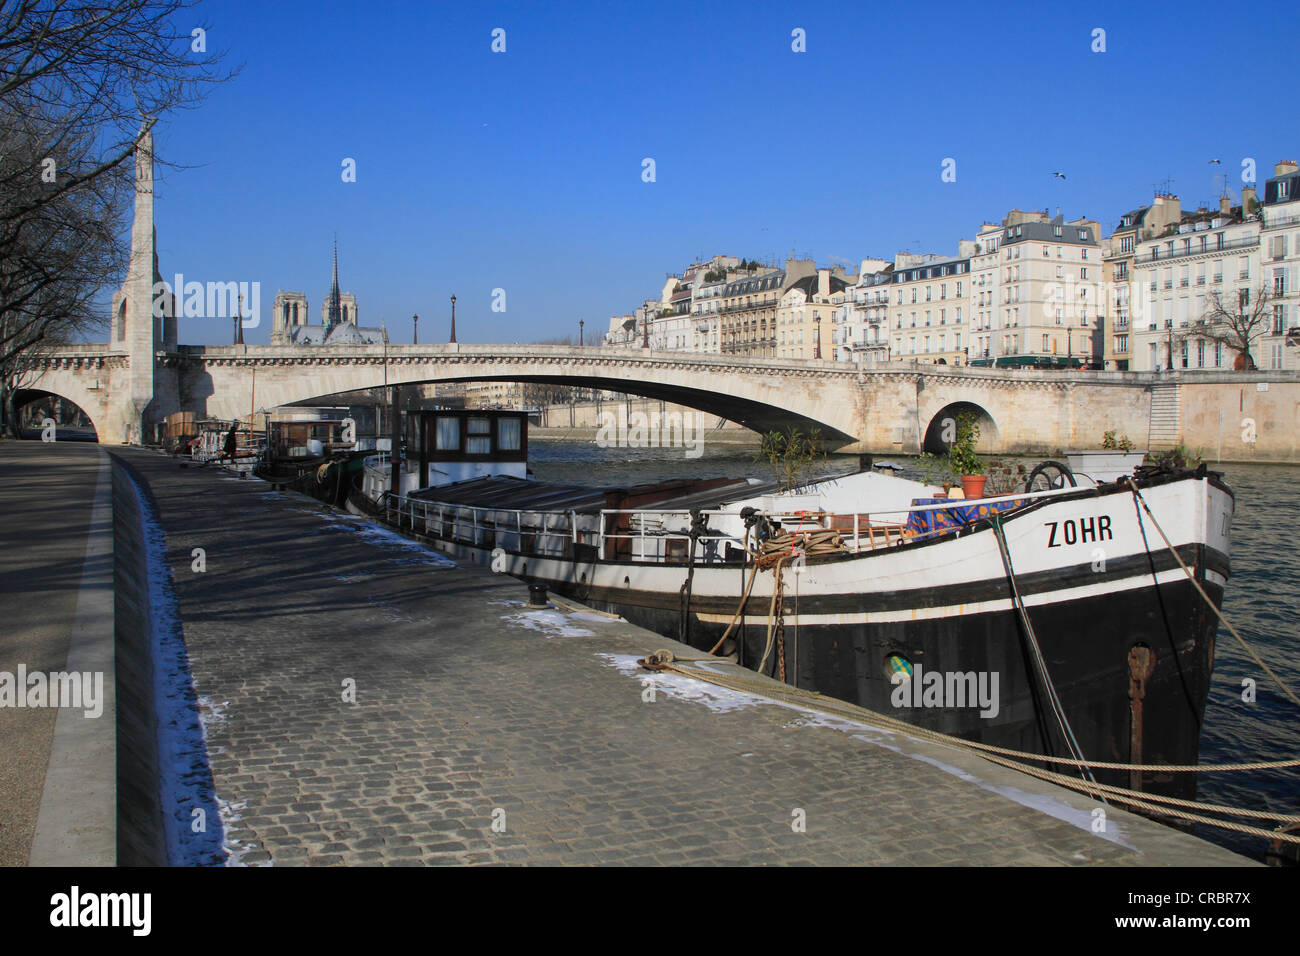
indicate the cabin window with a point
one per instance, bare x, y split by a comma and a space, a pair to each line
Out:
508, 434
479, 438
448, 433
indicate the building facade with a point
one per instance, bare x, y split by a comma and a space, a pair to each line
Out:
1135, 226
1279, 236
861, 322
1179, 275
805, 316
930, 305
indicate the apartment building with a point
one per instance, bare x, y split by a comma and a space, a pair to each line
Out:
930, 304
1047, 292
861, 323
1135, 226
805, 316
1279, 235
747, 316
1207, 256
984, 272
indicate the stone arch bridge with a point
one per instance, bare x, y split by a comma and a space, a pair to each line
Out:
894, 408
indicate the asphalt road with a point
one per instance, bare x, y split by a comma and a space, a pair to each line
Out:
46, 492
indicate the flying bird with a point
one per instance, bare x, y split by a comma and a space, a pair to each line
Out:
1215, 162
1059, 175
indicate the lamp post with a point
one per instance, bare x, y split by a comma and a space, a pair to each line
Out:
453, 320
415, 323
580, 325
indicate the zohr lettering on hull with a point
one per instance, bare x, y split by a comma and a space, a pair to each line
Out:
1078, 530
924, 688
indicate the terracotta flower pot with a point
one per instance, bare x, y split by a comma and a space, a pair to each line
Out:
973, 485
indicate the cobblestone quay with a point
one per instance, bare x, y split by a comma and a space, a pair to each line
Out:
483, 732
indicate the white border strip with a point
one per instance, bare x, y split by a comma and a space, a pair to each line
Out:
1169, 576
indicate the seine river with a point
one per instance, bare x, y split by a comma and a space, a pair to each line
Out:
1262, 601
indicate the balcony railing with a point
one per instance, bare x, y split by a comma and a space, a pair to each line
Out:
1272, 221
1156, 255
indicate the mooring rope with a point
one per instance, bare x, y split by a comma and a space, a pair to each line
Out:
1137, 495
1040, 662
664, 660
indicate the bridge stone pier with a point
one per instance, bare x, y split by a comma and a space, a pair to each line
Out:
896, 408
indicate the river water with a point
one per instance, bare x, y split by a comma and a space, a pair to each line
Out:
1262, 601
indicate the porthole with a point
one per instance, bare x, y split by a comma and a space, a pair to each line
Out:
897, 664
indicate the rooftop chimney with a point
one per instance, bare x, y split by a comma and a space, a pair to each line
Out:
1284, 167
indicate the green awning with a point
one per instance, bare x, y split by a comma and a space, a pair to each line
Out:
1038, 361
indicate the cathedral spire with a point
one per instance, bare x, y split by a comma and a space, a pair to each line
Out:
335, 314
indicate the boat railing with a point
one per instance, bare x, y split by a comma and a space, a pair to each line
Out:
657, 535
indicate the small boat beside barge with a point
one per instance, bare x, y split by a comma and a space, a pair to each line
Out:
1044, 621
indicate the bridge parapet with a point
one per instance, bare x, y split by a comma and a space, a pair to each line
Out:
886, 408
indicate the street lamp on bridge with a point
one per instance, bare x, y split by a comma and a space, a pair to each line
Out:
415, 322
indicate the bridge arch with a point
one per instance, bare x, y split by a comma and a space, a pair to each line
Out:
942, 424
42, 403
776, 396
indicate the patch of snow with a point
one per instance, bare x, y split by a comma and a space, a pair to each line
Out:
236, 848
384, 538
550, 623
720, 700
585, 616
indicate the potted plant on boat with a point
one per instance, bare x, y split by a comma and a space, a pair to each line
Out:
962, 458
1115, 459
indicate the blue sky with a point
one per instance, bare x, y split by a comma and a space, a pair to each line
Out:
522, 170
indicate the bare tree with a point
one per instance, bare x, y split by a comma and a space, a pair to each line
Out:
1235, 319
80, 81
97, 71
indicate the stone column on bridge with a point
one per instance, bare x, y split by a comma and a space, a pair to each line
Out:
139, 328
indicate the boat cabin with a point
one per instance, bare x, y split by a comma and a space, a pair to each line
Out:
453, 445
307, 438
